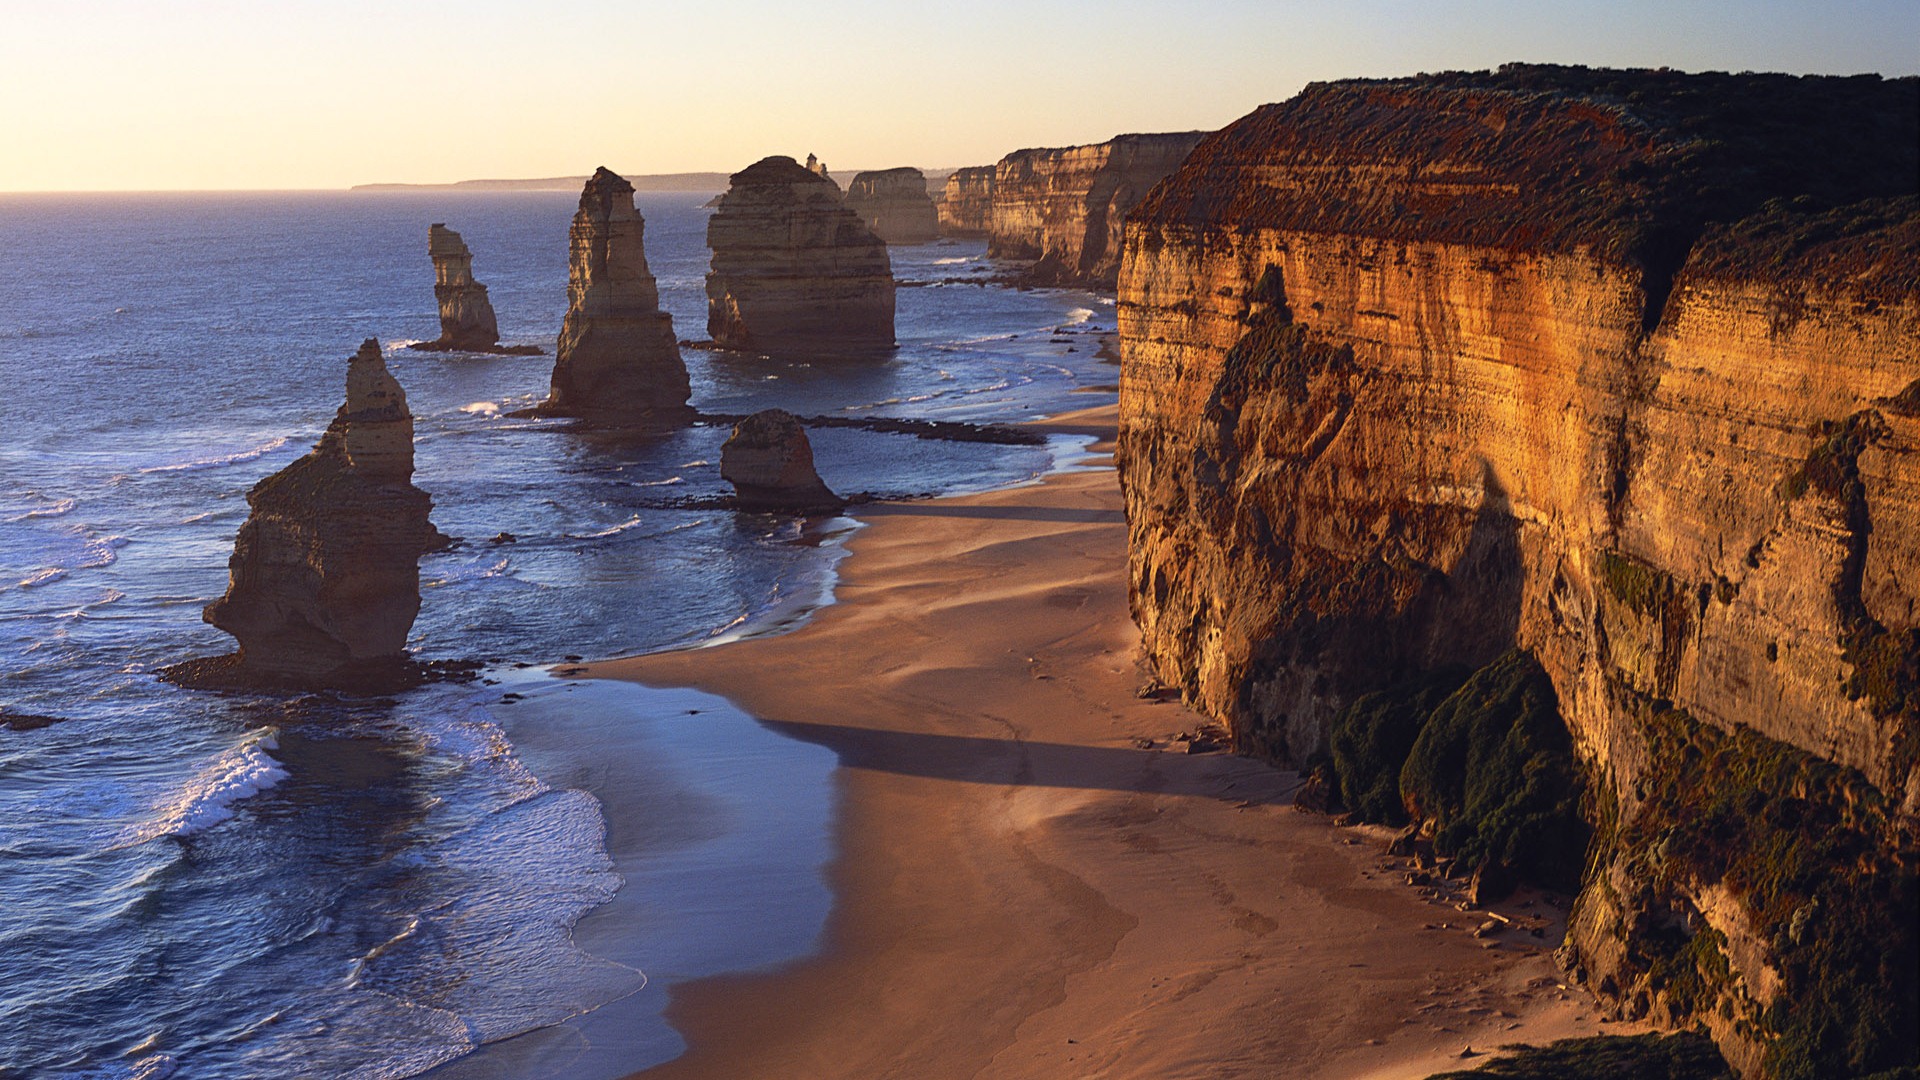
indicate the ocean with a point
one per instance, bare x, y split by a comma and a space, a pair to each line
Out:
234, 885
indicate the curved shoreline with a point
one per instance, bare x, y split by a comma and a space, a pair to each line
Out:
1021, 889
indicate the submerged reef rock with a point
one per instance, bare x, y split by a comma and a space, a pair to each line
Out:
1065, 208
895, 205
618, 364
769, 462
1617, 369
324, 579
794, 270
966, 207
466, 315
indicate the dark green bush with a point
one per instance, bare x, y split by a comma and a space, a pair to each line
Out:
1494, 769
1370, 740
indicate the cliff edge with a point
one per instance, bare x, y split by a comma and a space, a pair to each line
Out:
1065, 208
1612, 371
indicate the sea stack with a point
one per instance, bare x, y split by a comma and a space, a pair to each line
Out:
617, 364
769, 462
966, 209
794, 270
895, 205
467, 323
325, 578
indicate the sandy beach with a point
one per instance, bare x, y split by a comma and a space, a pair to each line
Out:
1033, 879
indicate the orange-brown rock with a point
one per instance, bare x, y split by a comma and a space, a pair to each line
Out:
618, 363
467, 322
324, 579
1418, 371
1065, 208
895, 205
966, 206
769, 462
794, 271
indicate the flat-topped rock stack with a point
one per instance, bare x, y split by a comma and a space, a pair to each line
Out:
618, 363
769, 462
895, 205
324, 582
467, 322
966, 209
794, 270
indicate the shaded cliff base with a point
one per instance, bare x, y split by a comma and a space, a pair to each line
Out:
1040, 876
494, 350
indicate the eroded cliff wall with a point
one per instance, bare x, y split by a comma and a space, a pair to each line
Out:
1065, 209
966, 208
1416, 372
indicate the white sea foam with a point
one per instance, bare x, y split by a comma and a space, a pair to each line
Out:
480, 408
237, 458
953, 261
613, 530
42, 577
659, 483
471, 572
207, 799
1078, 316
57, 509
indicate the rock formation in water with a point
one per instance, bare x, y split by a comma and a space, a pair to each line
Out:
966, 209
618, 363
466, 315
795, 272
324, 579
1065, 208
1612, 377
895, 205
769, 462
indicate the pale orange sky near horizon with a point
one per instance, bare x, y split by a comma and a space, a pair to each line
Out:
221, 94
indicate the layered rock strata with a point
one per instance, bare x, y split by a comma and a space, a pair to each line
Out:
1417, 372
794, 271
966, 206
618, 363
1065, 208
467, 322
769, 462
324, 580
895, 205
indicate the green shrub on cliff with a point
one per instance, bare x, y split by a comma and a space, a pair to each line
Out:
1494, 769
1811, 849
1370, 740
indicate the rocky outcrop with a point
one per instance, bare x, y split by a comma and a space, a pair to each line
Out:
467, 322
1417, 372
769, 462
795, 272
966, 207
1065, 208
324, 579
618, 363
895, 205
818, 168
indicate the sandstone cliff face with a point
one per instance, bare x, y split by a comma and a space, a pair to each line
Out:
1416, 372
769, 462
795, 271
966, 207
618, 363
895, 205
1066, 208
325, 576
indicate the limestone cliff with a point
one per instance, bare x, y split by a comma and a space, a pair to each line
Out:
966, 207
324, 578
1065, 208
1416, 372
895, 205
769, 462
467, 322
794, 270
618, 363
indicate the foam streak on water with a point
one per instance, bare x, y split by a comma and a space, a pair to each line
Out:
226, 886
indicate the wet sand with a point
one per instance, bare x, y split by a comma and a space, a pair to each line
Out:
1033, 880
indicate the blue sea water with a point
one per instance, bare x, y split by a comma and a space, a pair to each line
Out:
246, 885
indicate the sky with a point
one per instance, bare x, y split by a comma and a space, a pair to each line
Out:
289, 94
